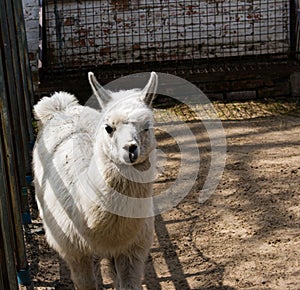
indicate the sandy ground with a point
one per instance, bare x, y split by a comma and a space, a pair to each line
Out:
245, 236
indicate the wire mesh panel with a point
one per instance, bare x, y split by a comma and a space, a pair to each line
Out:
89, 33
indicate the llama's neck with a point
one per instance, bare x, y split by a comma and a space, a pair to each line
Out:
120, 190
106, 175
129, 180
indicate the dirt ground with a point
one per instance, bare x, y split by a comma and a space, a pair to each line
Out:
245, 236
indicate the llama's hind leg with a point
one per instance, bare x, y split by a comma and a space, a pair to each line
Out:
82, 272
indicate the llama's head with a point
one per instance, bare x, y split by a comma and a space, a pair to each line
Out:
126, 134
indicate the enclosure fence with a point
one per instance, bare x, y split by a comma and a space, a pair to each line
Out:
81, 34
16, 134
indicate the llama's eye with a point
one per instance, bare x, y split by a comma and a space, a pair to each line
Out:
109, 129
146, 127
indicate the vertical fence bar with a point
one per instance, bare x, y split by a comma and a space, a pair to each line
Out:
293, 24
41, 32
27, 88
25, 102
8, 269
296, 13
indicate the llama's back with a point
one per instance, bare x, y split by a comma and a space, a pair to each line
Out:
62, 152
62, 118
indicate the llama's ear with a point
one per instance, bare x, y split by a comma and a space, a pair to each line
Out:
149, 91
101, 94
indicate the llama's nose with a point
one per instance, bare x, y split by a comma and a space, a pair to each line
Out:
133, 152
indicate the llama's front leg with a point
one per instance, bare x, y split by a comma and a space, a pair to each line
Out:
129, 270
82, 272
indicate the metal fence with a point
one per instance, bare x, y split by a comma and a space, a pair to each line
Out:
82, 34
16, 134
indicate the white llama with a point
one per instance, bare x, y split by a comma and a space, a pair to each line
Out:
84, 161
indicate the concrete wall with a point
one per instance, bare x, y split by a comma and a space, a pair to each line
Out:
31, 15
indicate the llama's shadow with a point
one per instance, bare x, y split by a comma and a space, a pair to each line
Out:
165, 250
174, 275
